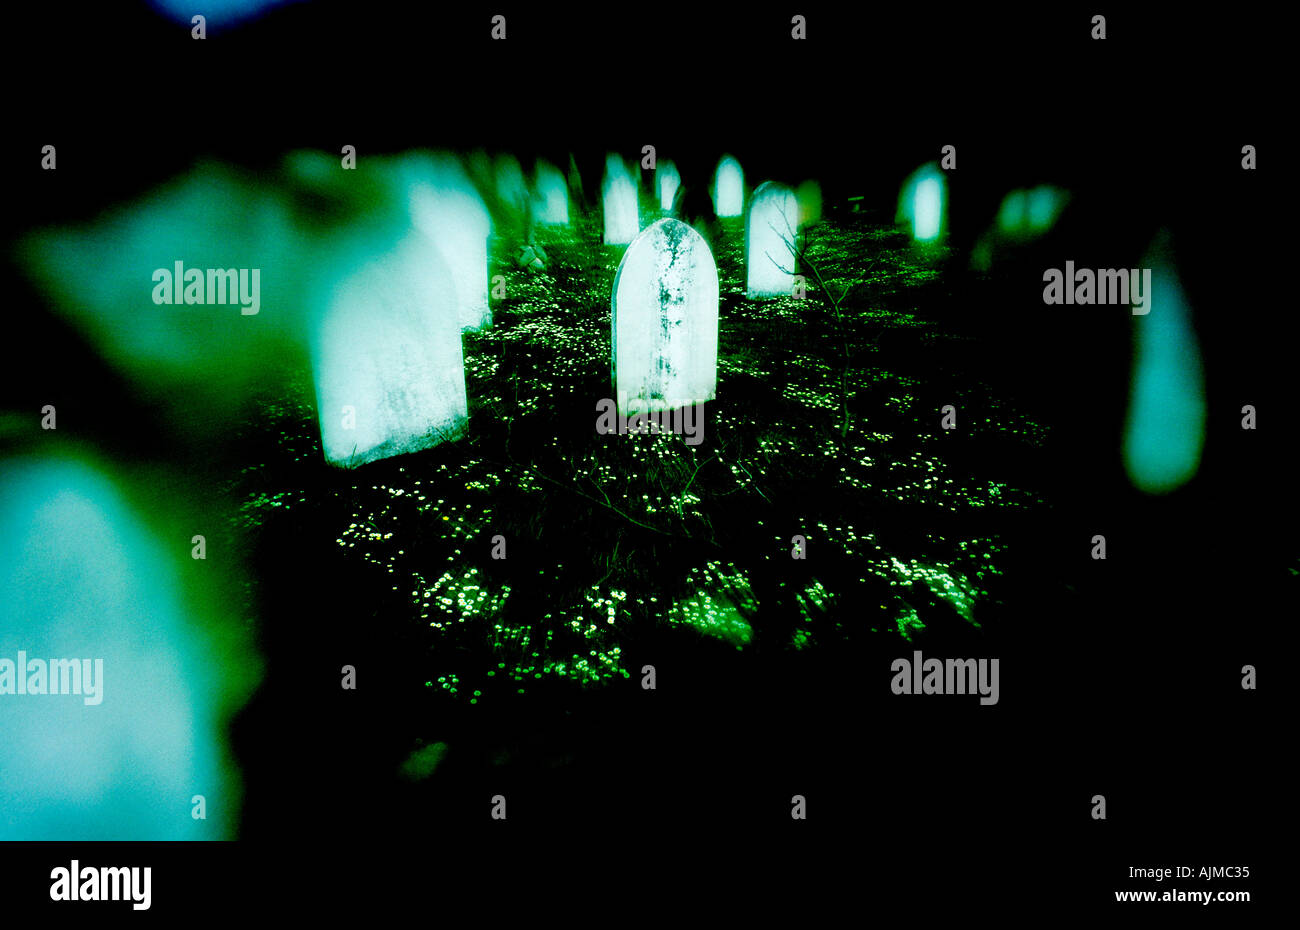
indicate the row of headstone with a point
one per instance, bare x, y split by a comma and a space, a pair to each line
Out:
370, 276
404, 279
664, 304
386, 344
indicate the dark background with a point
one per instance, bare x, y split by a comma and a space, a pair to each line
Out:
1130, 689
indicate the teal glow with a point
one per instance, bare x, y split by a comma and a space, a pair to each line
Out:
511, 189
928, 214
664, 315
1024, 216
1165, 428
444, 205
619, 202
1045, 205
922, 202
370, 276
667, 180
1030, 213
387, 358
85, 578
216, 11
98, 276
771, 236
728, 188
550, 195
1012, 215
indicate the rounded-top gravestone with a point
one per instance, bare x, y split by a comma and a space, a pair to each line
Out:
771, 234
728, 188
665, 321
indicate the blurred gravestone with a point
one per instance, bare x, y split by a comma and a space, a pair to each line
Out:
665, 321
387, 357
511, 189
667, 180
771, 229
728, 188
618, 195
446, 207
550, 195
128, 674
97, 275
809, 195
922, 203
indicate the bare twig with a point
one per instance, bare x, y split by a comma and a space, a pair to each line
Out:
801, 256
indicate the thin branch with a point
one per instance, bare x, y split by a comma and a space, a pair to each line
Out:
606, 504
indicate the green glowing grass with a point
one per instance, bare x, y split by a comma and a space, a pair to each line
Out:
616, 539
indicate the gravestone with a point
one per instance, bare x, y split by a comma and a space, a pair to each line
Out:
728, 188
1028, 213
667, 180
480, 166
1025, 215
511, 189
771, 235
1164, 430
550, 195
618, 196
213, 343
127, 675
922, 202
295, 234
387, 358
446, 207
809, 195
665, 321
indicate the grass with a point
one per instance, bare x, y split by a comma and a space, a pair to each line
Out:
610, 539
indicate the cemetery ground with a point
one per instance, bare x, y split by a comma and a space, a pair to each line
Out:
627, 551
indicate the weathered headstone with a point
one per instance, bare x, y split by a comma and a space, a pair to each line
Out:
618, 196
771, 236
448, 210
665, 321
667, 180
728, 188
550, 195
387, 357
922, 203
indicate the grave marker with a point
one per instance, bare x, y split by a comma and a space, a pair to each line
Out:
771, 234
665, 321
